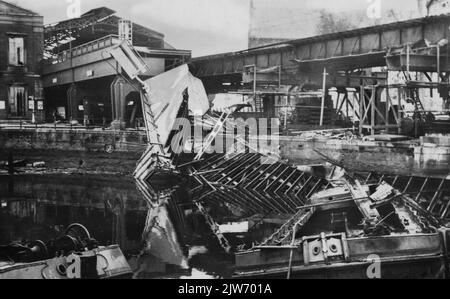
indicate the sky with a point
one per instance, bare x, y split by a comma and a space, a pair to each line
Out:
204, 26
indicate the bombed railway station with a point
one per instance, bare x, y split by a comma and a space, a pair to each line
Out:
84, 85
321, 151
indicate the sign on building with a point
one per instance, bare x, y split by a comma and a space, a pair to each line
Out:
31, 103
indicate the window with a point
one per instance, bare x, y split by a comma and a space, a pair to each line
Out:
16, 51
17, 101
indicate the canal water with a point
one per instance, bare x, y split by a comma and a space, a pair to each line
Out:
40, 207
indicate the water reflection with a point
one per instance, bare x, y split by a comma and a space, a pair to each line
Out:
41, 206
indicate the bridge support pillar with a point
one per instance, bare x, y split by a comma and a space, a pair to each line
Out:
73, 101
119, 91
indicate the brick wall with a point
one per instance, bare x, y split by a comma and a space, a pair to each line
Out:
30, 27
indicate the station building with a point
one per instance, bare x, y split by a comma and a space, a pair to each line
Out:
82, 82
21, 54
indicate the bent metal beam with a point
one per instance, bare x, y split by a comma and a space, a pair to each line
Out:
343, 51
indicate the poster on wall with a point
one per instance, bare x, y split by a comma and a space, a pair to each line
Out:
40, 105
2, 105
61, 112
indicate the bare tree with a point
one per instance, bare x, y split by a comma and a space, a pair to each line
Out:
331, 22
425, 6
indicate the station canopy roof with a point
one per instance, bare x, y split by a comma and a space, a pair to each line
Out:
92, 25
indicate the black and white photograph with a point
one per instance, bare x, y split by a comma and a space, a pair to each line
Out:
246, 141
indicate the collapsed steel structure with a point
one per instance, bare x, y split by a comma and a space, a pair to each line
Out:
253, 183
259, 184
345, 61
247, 183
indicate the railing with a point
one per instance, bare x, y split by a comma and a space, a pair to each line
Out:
91, 137
26, 125
98, 44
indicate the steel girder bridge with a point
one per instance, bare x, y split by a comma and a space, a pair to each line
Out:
342, 60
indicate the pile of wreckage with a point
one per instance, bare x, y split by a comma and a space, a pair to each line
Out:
334, 228
278, 220
72, 255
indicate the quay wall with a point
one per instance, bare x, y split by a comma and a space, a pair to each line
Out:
72, 140
429, 156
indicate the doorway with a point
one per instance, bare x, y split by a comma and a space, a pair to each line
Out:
17, 101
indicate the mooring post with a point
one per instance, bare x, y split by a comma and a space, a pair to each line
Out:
288, 99
323, 95
291, 253
438, 62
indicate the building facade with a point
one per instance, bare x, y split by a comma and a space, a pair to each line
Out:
83, 83
21, 54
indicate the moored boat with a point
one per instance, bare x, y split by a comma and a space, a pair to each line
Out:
374, 233
75, 255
